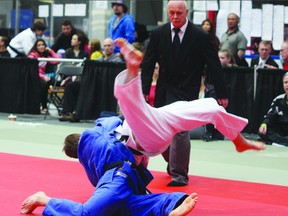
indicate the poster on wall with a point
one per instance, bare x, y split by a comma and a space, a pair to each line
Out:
75, 9
198, 17
256, 27
245, 20
43, 11
58, 10
267, 21
278, 26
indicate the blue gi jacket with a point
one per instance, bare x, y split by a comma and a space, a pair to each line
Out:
98, 152
99, 148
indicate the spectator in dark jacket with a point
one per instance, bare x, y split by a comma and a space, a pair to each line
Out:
264, 60
63, 40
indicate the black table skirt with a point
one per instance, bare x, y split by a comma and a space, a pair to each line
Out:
97, 88
19, 86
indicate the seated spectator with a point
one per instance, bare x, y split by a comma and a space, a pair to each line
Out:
226, 58
95, 49
40, 50
63, 40
208, 26
274, 129
3, 47
22, 43
75, 52
77, 48
72, 89
109, 48
264, 60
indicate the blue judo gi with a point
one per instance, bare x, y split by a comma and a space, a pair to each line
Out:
119, 189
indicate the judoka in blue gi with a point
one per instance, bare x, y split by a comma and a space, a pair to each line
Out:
120, 184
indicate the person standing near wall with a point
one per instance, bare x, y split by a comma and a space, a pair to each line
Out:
234, 40
121, 25
208, 26
181, 65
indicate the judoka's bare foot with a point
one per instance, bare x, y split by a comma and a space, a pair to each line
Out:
243, 144
186, 206
132, 57
34, 201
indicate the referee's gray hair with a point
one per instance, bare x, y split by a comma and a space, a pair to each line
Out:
184, 3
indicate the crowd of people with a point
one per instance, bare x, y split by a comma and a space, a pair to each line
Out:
75, 44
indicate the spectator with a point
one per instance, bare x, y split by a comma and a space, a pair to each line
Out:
63, 40
121, 24
284, 54
75, 52
208, 26
3, 47
274, 129
72, 89
22, 43
181, 67
95, 49
77, 47
109, 49
264, 60
40, 50
234, 40
226, 58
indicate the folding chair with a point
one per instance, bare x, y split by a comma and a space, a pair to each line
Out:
55, 93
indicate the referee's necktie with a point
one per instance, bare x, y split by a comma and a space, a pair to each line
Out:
176, 41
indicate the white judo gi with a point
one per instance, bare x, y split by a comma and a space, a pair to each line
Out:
154, 128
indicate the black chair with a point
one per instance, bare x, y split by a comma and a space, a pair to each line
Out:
56, 93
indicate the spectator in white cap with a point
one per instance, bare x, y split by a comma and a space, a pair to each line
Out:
121, 25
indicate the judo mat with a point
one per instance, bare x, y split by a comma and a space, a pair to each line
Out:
22, 176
